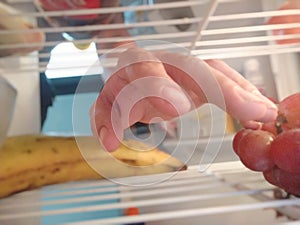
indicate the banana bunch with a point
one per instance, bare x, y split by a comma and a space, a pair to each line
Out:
32, 161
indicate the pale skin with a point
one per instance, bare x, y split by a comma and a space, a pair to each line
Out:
181, 94
242, 99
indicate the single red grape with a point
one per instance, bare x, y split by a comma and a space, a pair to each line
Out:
285, 151
237, 139
254, 150
290, 182
275, 127
289, 110
270, 176
270, 127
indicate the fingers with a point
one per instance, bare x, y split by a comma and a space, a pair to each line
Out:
149, 87
240, 81
139, 89
231, 73
242, 99
193, 75
102, 128
147, 80
228, 90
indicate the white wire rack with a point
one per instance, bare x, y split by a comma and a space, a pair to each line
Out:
209, 28
226, 193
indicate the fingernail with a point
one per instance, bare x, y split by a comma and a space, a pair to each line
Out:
260, 95
177, 98
256, 92
102, 134
104, 139
271, 114
256, 96
251, 124
273, 106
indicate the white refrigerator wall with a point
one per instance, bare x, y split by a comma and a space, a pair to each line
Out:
26, 118
285, 67
22, 72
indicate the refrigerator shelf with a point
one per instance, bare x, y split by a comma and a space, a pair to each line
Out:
208, 29
226, 192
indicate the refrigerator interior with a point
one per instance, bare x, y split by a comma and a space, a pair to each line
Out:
225, 192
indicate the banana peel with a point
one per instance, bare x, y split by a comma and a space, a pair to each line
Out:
82, 46
32, 161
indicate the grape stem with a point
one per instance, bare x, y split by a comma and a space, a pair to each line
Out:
280, 120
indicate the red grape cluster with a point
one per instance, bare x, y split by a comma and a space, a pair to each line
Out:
275, 148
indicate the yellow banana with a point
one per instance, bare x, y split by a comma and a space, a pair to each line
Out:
81, 46
32, 161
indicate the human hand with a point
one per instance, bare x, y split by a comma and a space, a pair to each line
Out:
151, 87
287, 19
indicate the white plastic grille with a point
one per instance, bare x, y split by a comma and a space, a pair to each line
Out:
226, 192
217, 29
